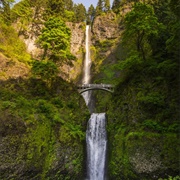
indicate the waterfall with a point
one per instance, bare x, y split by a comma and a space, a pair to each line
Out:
87, 62
87, 67
96, 139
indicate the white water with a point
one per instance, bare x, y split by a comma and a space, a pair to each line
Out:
96, 140
87, 62
87, 67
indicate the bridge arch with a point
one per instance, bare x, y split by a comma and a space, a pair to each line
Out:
87, 87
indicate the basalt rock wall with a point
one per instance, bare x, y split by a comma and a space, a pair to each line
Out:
141, 146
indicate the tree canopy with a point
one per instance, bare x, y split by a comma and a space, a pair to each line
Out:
116, 5
102, 6
5, 10
80, 12
55, 39
91, 14
141, 23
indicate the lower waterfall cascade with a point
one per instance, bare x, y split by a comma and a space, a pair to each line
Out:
96, 139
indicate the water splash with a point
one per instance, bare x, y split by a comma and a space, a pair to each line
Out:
96, 139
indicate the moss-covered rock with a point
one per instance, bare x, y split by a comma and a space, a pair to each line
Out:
42, 130
143, 134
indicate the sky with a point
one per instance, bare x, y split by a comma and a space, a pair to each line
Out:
86, 3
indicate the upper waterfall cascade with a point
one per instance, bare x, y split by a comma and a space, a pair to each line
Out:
87, 62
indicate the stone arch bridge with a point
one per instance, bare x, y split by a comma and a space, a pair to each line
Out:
87, 87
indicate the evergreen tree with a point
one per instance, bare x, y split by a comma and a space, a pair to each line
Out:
55, 40
161, 9
102, 6
106, 5
116, 5
173, 43
80, 12
90, 14
55, 7
5, 10
140, 24
24, 12
69, 5
99, 7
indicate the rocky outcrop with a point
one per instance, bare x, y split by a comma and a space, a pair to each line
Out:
77, 38
69, 72
41, 139
77, 48
143, 142
105, 37
143, 137
105, 27
10, 68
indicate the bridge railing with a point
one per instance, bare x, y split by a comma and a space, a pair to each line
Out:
86, 87
82, 86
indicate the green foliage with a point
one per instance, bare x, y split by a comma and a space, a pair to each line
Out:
116, 6
55, 8
173, 43
55, 40
46, 70
158, 127
152, 98
57, 101
98, 54
171, 178
69, 16
140, 23
11, 45
132, 62
106, 5
99, 7
90, 14
43, 127
143, 113
69, 5
150, 124
24, 12
80, 12
102, 6
8, 104
5, 11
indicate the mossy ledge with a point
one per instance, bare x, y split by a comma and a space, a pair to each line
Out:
42, 130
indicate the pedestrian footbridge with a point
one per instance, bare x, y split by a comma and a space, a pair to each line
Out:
87, 87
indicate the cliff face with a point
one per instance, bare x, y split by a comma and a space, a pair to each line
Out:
41, 138
105, 27
141, 132
141, 145
10, 68
105, 36
42, 128
68, 72
77, 48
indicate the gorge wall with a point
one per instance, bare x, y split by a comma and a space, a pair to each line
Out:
42, 129
69, 72
143, 135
